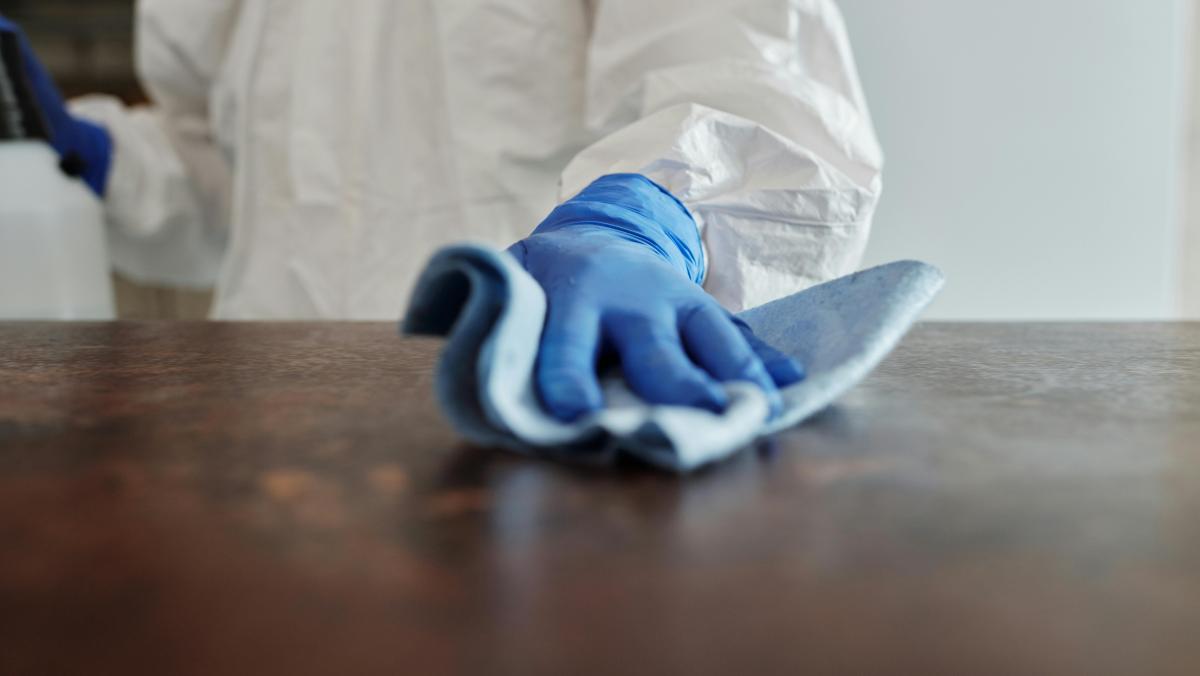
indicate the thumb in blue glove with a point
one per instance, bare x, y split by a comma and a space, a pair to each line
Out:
85, 148
621, 265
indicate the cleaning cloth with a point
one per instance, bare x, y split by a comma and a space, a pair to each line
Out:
491, 312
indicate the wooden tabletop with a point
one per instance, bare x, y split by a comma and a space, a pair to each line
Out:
284, 498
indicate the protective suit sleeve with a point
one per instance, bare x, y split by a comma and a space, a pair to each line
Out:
168, 197
751, 113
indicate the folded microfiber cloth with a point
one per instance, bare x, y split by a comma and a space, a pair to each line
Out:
492, 311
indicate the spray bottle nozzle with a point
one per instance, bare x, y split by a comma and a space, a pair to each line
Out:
73, 165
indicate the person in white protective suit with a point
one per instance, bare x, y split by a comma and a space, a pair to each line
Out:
307, 157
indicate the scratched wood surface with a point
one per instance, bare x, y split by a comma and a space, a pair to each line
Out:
284, 498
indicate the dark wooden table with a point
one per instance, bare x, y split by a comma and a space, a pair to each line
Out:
229, 499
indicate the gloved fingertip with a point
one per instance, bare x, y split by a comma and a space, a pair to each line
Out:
767, 384
569, 399
570, 411
786, 371
713, 398
775, 401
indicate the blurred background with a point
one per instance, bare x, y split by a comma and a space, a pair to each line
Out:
87, 43
88, 46
1036, 152
1040, 151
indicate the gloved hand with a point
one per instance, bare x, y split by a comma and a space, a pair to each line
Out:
84, 147
621, 265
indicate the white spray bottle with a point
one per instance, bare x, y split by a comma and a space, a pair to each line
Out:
53, 255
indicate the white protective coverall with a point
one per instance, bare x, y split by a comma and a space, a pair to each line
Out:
307, 156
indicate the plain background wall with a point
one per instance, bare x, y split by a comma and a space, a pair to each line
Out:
1034, 149
1190, 253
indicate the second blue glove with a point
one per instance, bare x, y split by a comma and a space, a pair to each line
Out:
84, 147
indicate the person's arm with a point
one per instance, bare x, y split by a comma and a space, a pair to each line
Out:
743, 121
168, 189
751, 113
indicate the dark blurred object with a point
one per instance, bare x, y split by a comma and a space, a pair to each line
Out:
86, 44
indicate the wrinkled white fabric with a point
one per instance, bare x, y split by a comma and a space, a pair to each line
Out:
308, 156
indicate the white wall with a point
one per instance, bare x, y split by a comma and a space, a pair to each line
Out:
1189, 258
1033, 150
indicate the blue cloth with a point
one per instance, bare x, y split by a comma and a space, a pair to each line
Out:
492, 312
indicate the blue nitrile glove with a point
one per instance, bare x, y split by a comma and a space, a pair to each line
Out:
85, 147
621, 265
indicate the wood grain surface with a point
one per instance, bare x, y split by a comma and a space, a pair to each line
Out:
208, 498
